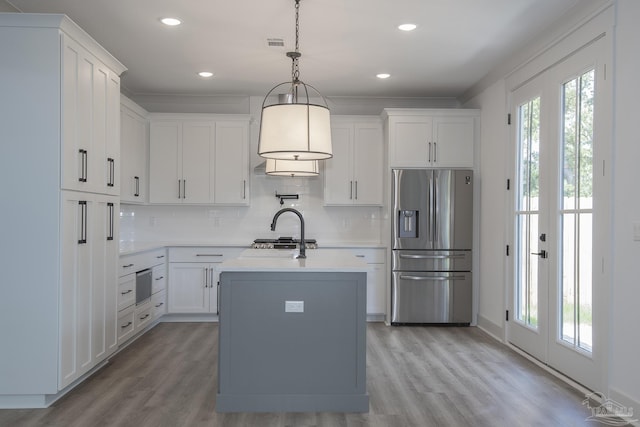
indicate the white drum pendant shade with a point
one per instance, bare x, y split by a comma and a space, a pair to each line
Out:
295, 132
292, 168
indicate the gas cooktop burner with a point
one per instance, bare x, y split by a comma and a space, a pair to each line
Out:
283, 243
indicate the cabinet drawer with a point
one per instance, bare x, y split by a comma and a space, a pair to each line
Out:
369, 255
142, 316
126, 291
140, 261
158, 278
125, 324
158, 304
208, 254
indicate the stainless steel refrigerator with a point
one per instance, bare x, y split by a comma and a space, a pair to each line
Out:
431, 246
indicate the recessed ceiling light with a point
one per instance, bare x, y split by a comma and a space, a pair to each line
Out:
383, 75
407, 27
205, 74
172, 22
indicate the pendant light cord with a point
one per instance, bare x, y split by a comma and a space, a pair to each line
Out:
295, 71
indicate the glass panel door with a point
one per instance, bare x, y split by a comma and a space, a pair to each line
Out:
559, 283
582, 117
527, 330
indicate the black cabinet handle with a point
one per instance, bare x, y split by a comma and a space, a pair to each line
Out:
136, 181
126, 292
110, 220
144, 317
83, 165
83, 222
127, 266
126, 326
112, 171
160, 278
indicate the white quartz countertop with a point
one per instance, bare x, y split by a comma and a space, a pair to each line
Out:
278, 260
128, 247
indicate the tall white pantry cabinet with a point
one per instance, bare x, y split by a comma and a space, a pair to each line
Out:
59, 127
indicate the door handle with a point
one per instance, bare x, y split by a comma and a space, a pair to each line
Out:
542, 254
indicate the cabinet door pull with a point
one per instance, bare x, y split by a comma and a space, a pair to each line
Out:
179, 187
83, 222
110, 220
206, 277
144, 317
435, 153
160, 278
112, 167
429, 152
356, 190
350, 190
83, 165
127, 266
159, 305
136, 182
184, 188
126, 292
160, 257
244, 189
208, 254
126, 326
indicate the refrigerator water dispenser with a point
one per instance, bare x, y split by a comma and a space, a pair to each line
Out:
408, 224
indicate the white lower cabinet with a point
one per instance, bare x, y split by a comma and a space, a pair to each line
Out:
142, 316
125, 324
88, 293
376, 279
159, 304
132, 317
193, 288
193, 278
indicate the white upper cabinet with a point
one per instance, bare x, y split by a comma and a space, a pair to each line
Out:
91, 122
196, 161
431, 138
231, 163
353, 176
134, 146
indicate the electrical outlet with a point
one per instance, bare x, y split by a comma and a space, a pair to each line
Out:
294, 306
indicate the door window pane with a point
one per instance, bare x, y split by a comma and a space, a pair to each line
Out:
527, 205
576, 213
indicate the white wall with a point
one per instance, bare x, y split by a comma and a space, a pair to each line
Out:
623, 372
492, 163
625, 299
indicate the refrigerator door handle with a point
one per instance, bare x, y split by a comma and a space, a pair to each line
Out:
405, 256
428, 278
435, 210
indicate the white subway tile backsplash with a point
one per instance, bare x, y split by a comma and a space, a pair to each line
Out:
233, 225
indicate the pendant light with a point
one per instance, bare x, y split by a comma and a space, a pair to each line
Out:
292, 168
295, 129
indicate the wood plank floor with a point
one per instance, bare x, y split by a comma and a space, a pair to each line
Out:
416, 376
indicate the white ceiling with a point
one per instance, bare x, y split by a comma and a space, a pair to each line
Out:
344, 43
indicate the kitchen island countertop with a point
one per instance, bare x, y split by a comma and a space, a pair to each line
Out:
327, 260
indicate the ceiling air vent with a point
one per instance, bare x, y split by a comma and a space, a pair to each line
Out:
275, 42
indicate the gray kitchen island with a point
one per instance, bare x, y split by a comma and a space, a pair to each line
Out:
292, 333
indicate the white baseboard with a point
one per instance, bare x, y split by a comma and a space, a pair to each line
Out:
493, 329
